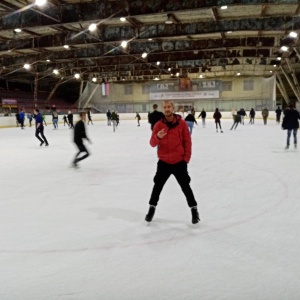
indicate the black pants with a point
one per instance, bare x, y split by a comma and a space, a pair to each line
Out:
81, 148
41, 131
71, 124
236, 124
251, 120
90, 120
218, 122
180, 172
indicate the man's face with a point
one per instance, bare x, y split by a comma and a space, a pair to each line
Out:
168, 109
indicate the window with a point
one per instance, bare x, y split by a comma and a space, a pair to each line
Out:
248, 85
128, 89
227, 86
145, 89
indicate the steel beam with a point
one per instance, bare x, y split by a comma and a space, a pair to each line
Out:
293, 75
290, 83
284, 92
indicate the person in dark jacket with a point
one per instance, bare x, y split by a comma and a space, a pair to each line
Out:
138, 117
278, 112
89, 117
65, 121
70, 119
203, 116
190, 119
291, 124
108, 116
114, 119
237, 120
40, 128
172, 137
217, 116
242, 113
55, 118
252, 116
79, 135
155, 116
22, 118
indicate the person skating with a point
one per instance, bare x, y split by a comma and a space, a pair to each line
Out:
243, 114
40, 128
118, 119
108, 116
138, 117
278, 112
89, 117
217, 116
55, 119
203, 116
291, 124
65, 121
237, 120
155, 116
29, 117
252, 116
190, 120
173, 139
44, 119
22, 118
265, 114
70, 119
114, 118
79, 135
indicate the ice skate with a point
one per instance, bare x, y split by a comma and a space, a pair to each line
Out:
150, 214
195, 215
295, 146
287, 147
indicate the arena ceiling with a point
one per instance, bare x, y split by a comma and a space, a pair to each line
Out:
198, 38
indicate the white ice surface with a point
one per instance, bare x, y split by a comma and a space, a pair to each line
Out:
80, 234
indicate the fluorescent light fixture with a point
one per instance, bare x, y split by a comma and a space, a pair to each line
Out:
149, 39
124, 44
48, 60
284, 48
77, 76
271, 71
158, 63
200, 76
229, 31
238, 74
177, 74
169, 19
94, 79
92, 27
274, 66
26, 66
18, 30
293, 34
156, 78
169, 69
224, 7
66, 46
122, 19
40, 2
55, 71
144, 55
278, 58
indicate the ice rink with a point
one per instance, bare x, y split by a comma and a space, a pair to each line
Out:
69, 234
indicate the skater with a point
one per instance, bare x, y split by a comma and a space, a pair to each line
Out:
40, 128
265, 114
155, 116
70, 119
55, 119
190, 120
138, 117
44, 119
118, 119
278, 114
217, 116
252, 116
65, 121
29, 117
22, 118
237, 120
172, 137
89, 117
243, 114
17, 119
203, 116
290, 123
114, 118
108, 116
79, 134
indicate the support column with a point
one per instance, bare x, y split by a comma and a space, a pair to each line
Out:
293, 75
90, 97
282, 92
280, 82
290, 83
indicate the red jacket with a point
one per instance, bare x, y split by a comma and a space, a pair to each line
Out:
176, 145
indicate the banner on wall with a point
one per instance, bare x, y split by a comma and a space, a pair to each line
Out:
185, 95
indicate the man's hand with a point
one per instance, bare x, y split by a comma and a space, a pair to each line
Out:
161, 133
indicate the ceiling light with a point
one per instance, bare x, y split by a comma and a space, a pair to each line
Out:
122, 19
278, 58
66, 46
169, 19
293, 34
40, 2
201, 76
26, 66
94, 79
284, 48
77, 76
169, 69
55, 71
48, 60
238, 74
156, 78
177, 74
274, 66
149, 39
144, 55
158, 63
17, 30
124, 44
92, 27
229, 31
224, 7
271, 71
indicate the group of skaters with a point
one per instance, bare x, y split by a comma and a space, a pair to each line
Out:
112, 118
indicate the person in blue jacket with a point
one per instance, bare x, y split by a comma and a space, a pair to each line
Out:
22, 118
40, 128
